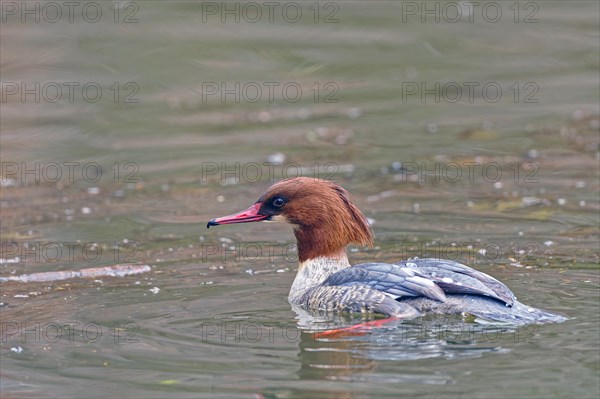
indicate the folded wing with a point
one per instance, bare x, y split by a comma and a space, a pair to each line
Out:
429, 278
456, 278
393, 280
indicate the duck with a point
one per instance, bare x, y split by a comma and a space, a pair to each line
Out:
325, 221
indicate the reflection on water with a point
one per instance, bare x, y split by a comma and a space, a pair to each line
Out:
508, 186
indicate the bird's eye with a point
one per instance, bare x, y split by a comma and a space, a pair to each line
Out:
278, 202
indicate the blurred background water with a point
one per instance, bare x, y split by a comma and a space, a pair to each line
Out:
467, 131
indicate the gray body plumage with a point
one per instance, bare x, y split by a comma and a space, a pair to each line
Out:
408, 289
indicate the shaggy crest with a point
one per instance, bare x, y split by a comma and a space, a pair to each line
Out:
324, 218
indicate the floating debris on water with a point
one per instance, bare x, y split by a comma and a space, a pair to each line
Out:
154, 290
529, 201
303, 114
7, 182
354, 112
10, 260
277, 158
533, 153
112, 271
432, 128
264, 117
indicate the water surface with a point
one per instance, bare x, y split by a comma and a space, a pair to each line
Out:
211, 319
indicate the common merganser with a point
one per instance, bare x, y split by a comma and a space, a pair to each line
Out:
325, 221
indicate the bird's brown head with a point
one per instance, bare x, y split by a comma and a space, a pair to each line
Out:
323, 216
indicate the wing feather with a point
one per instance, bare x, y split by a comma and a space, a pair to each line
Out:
429, 278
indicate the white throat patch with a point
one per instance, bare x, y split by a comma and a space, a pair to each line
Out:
313, 272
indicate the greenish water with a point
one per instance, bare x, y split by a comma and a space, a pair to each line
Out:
193, 113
